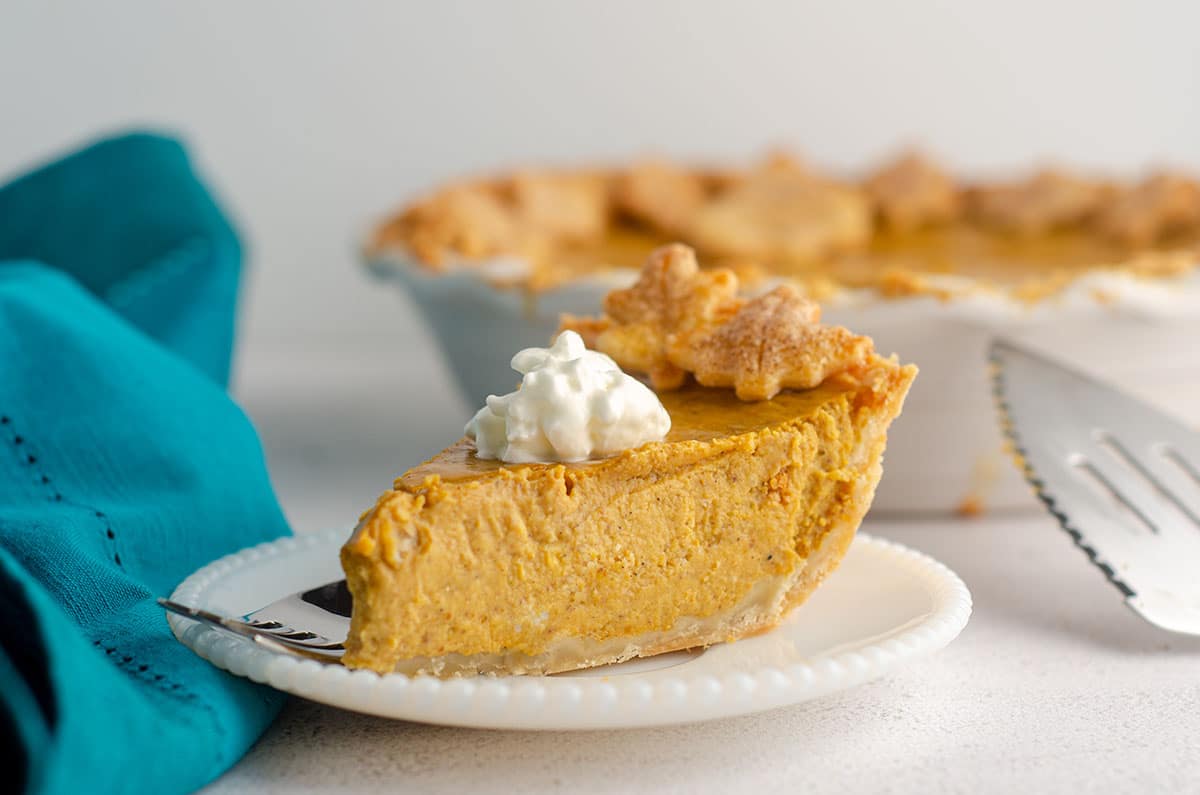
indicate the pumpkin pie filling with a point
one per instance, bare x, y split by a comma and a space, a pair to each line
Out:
713, 533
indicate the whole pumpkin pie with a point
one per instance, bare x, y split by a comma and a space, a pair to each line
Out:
711, 533
899, 230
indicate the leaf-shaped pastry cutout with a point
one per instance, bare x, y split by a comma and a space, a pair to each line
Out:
678, 319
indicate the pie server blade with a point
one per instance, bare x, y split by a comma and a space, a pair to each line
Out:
1120, 477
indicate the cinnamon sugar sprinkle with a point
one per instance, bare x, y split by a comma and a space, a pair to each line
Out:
678, 319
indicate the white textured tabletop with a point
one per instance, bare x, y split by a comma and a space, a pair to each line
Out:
1054, 685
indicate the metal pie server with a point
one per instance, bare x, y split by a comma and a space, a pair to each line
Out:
1122, 478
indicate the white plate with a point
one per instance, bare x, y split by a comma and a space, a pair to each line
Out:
884, 606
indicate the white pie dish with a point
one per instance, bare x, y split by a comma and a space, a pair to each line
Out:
945, 453
885, 606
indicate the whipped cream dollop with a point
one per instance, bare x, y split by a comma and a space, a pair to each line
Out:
573, 404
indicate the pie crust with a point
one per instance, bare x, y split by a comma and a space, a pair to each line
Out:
907, 223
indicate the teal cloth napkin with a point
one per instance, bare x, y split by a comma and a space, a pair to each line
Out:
124, 466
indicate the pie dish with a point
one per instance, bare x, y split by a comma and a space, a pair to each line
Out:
714, 533
1097, 271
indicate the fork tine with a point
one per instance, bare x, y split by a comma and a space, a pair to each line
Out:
264, 625
324, 644
297, 635
283, 636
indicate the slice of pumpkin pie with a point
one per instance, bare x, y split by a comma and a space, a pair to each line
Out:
588, 519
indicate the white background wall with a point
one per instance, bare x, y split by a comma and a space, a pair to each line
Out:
311, 121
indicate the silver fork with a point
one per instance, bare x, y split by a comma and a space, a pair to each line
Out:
268, 632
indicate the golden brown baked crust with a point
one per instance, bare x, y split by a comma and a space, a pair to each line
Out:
906, 225
912, 192
1050, 199
527, 214
678, 319
467, 220
671, 298
660, 195
568, 207
1163, 205
782, 212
